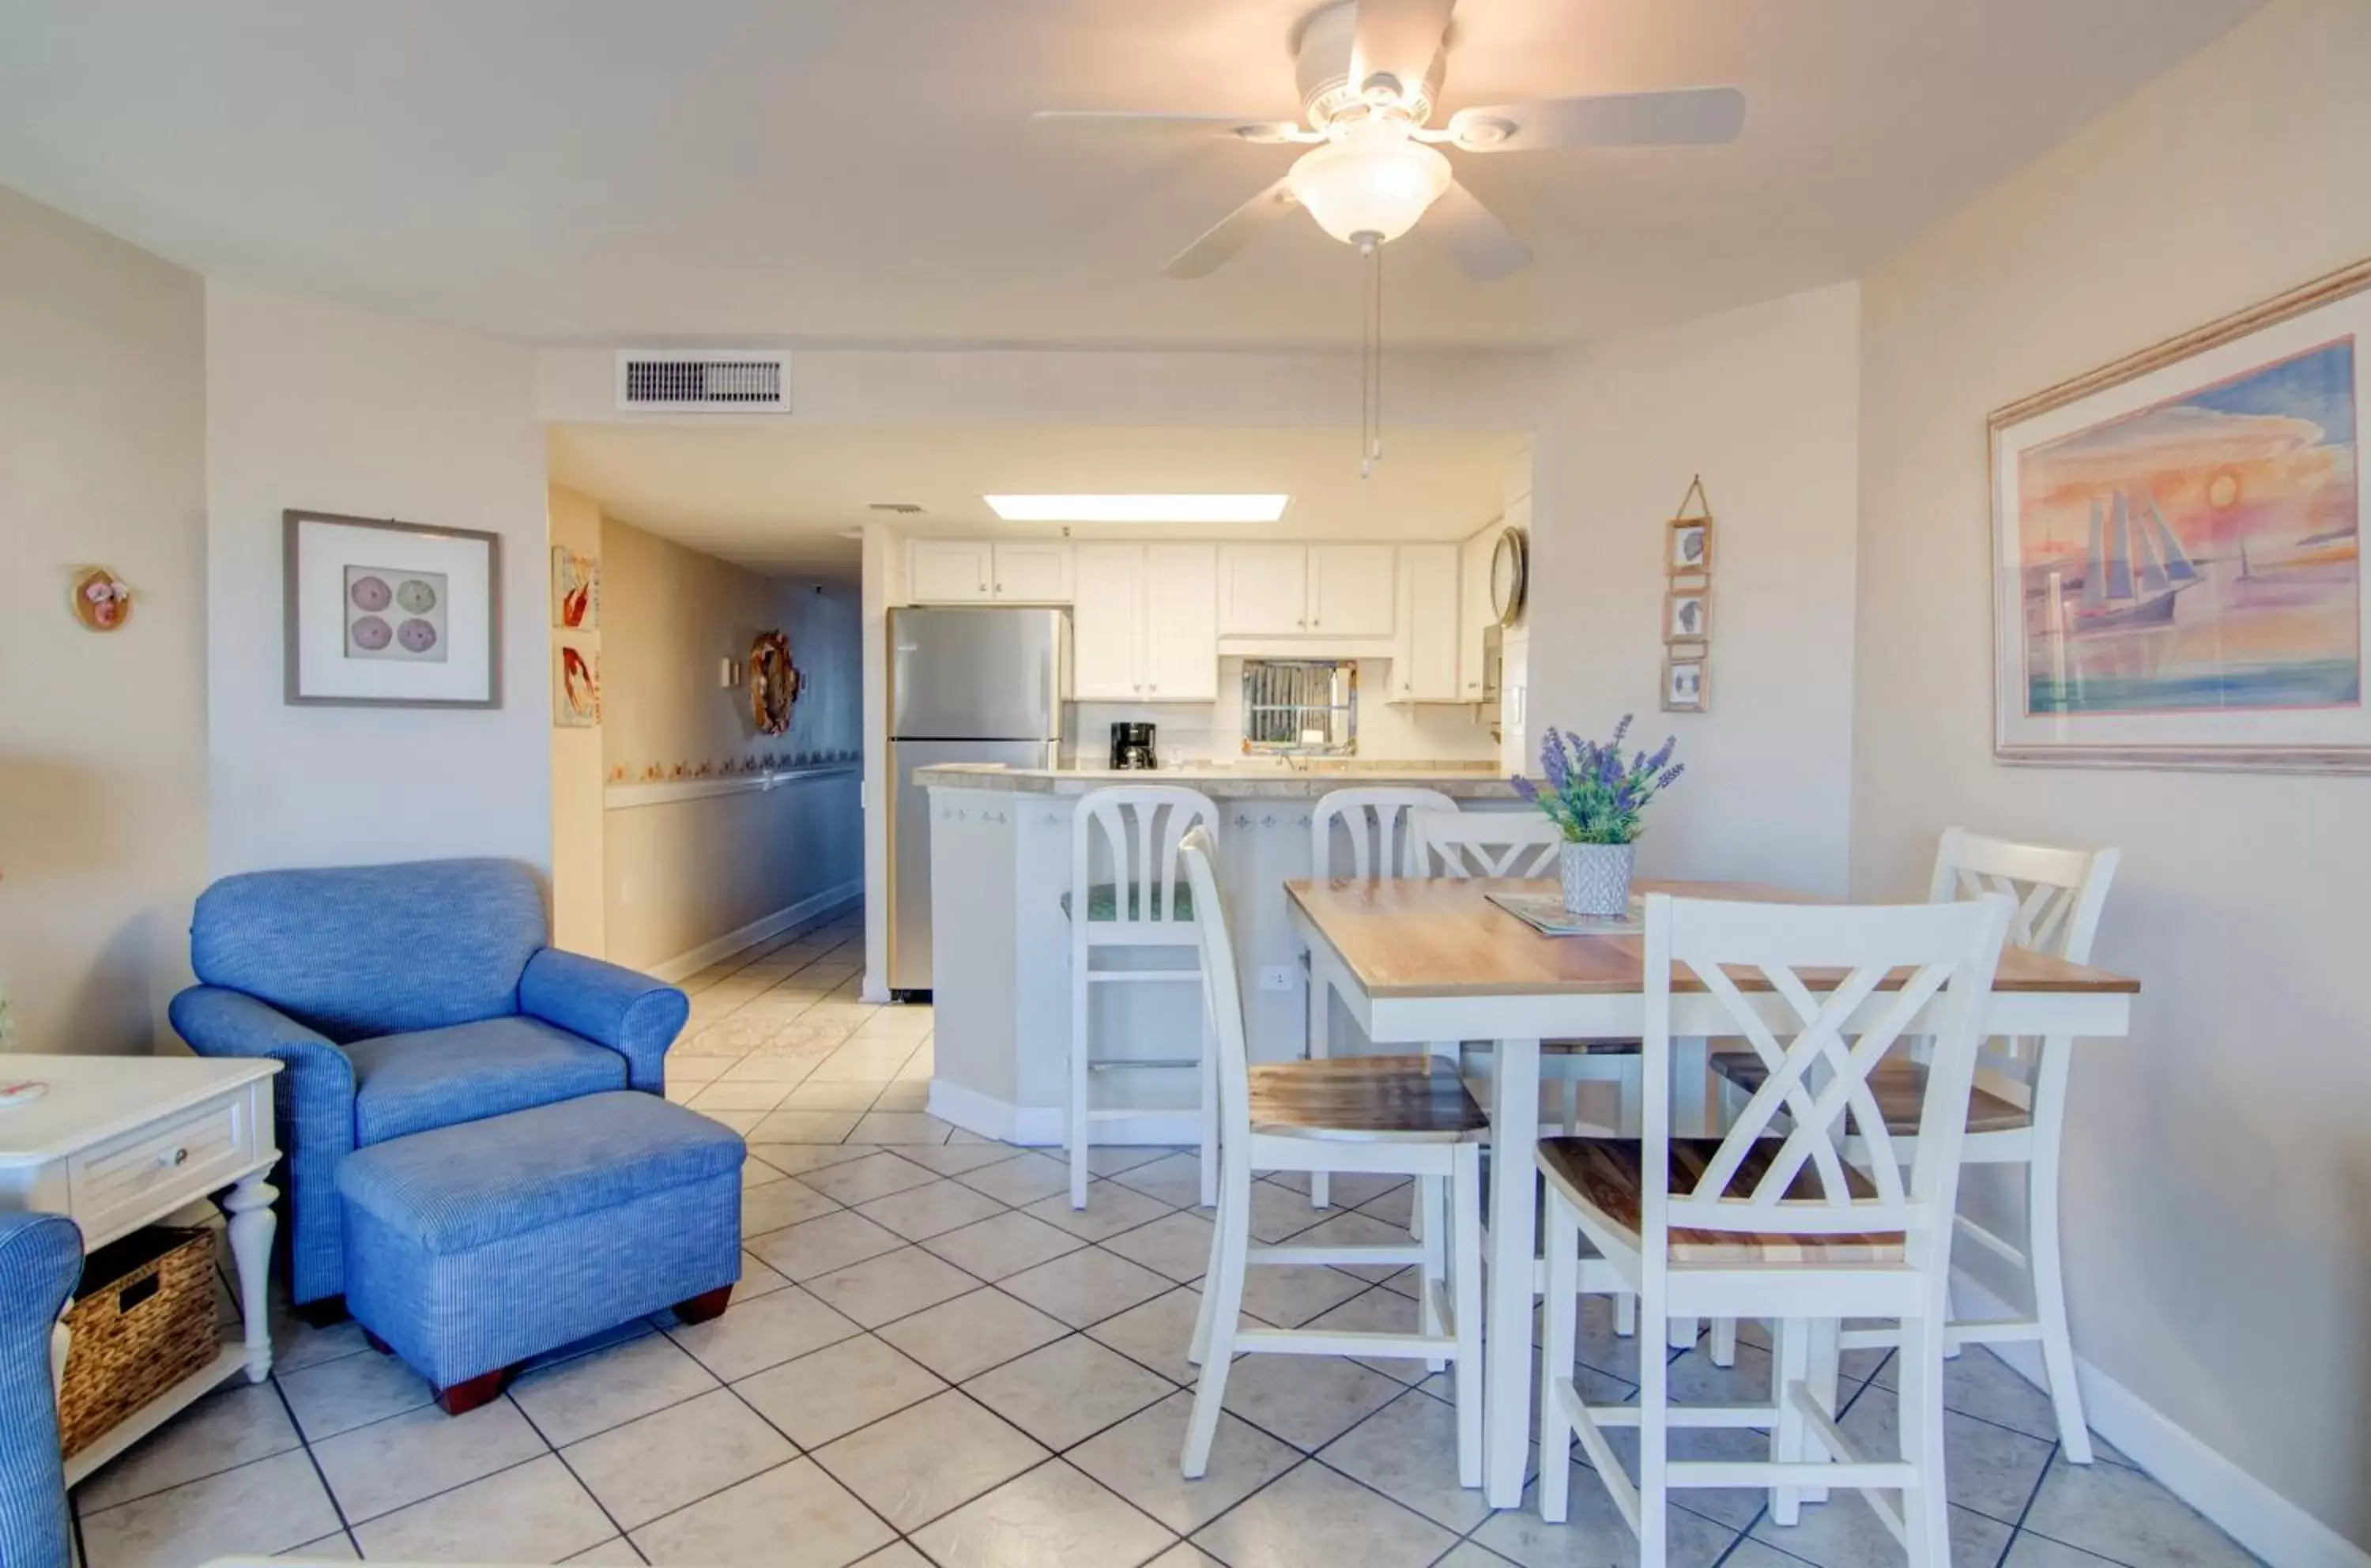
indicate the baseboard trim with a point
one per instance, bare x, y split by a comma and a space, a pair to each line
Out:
1040, 1126
2250, 1512
805, 912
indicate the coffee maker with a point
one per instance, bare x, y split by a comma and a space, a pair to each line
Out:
1132, 747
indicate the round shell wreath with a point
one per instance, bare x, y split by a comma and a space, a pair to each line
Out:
774, 682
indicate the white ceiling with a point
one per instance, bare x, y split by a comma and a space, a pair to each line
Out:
862, 170
779, 498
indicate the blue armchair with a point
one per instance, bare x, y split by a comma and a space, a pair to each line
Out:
400, 999
41, 1258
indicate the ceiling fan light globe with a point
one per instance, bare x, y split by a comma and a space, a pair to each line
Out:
1373, 181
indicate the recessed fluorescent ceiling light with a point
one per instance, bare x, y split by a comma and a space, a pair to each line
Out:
1138, 508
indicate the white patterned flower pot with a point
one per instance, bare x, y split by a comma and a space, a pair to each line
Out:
1596, 877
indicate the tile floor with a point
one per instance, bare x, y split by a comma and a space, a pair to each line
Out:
931, 1359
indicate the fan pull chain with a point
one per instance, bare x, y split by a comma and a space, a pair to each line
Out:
1371, 361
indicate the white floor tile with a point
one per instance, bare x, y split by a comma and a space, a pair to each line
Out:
1593, 1535
1050, 1517
793, 1517
338, 1395
2124, 1515
1408, 1451
876, 1176
819, 1246
929, 1459
653, 1466
991, 1249
1175, 1179
1138, 1458
954, 1158
608, 1388
1308, 1401
1085, 1286
1024, 1180
1844, 1533
754, 1335
1157, 1334
238, 1424
837, 1389
802, 1126
931, 1209
891, 1285
1177, 1245
1068, 1390
258, 1508
1315, 1516
781, 1203
377, 1469
971, 1333
1111, 1208
535, 1513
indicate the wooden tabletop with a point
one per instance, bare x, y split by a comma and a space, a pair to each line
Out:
1439, 937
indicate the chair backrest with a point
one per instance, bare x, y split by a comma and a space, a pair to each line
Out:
2058, 892
1223, 990
1485, 844
1375, 823
362, 951
2058, 896
1126, 837
1820, 971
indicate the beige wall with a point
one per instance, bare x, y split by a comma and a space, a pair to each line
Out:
1764, 403
102, 737
2218, 1167
578, 891
687, 872
310, 405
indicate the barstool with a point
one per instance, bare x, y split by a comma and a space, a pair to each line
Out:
1379, 824
1125, 892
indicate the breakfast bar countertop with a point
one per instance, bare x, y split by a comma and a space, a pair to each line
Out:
1263, 779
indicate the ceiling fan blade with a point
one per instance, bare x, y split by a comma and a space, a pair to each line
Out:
1231, 233
1685, 117
1398, 39
1483, 244
1121, 125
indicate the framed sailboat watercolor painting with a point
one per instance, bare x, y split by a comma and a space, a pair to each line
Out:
2177, 574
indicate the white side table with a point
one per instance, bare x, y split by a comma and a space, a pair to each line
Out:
120, 1142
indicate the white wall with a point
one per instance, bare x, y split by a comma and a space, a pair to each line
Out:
2217, 1163
1763, 403
102, 737
313, 407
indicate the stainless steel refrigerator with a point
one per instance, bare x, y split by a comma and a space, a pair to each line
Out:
965, 686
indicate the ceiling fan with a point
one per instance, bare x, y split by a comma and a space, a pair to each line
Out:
1370, 73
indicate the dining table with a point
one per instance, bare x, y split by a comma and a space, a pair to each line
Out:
1416, 962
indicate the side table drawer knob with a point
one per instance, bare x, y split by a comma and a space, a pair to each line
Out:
174, 1156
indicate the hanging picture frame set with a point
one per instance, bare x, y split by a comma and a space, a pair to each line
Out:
1687, 603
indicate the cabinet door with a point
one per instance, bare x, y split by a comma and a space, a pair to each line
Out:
1263, 590
1107, 623
1180, 623
949, 571
1424, 669
1473, 610
1032, 573
1351, 590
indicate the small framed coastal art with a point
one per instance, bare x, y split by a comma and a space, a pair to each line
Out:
2177, 569
382, 614
575, 590
575, 687
1687, 615
1683, 679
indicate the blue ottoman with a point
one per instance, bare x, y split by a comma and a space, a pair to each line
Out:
470, 1247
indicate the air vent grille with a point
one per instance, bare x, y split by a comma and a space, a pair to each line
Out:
704, 381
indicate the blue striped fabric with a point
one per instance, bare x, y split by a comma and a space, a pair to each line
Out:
410, 1083
472, 1247
300, 964
631, 1013
41, 1258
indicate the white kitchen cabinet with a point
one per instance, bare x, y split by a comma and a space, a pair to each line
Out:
1180, 623
950, 572
1264, 590
1031, 571
1475, 614
1107, 622
1425, 666
1144, 623
1351, 591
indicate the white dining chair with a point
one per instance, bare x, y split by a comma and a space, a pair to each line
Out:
1374, 1115
2017, 1110
1771, 1219
1364, 832
1126, 894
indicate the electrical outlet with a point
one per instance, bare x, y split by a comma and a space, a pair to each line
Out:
1277, 977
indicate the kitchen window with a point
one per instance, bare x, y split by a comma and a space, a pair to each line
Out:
1300, 706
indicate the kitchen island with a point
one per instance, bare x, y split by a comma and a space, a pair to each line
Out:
999, 866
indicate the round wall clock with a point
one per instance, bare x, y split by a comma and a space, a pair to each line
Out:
1511, 575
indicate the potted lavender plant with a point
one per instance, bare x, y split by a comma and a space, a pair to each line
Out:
1598, 799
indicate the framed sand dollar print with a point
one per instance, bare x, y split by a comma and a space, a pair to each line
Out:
383, 614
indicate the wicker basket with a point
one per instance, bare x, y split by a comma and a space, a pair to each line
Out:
142, 1319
